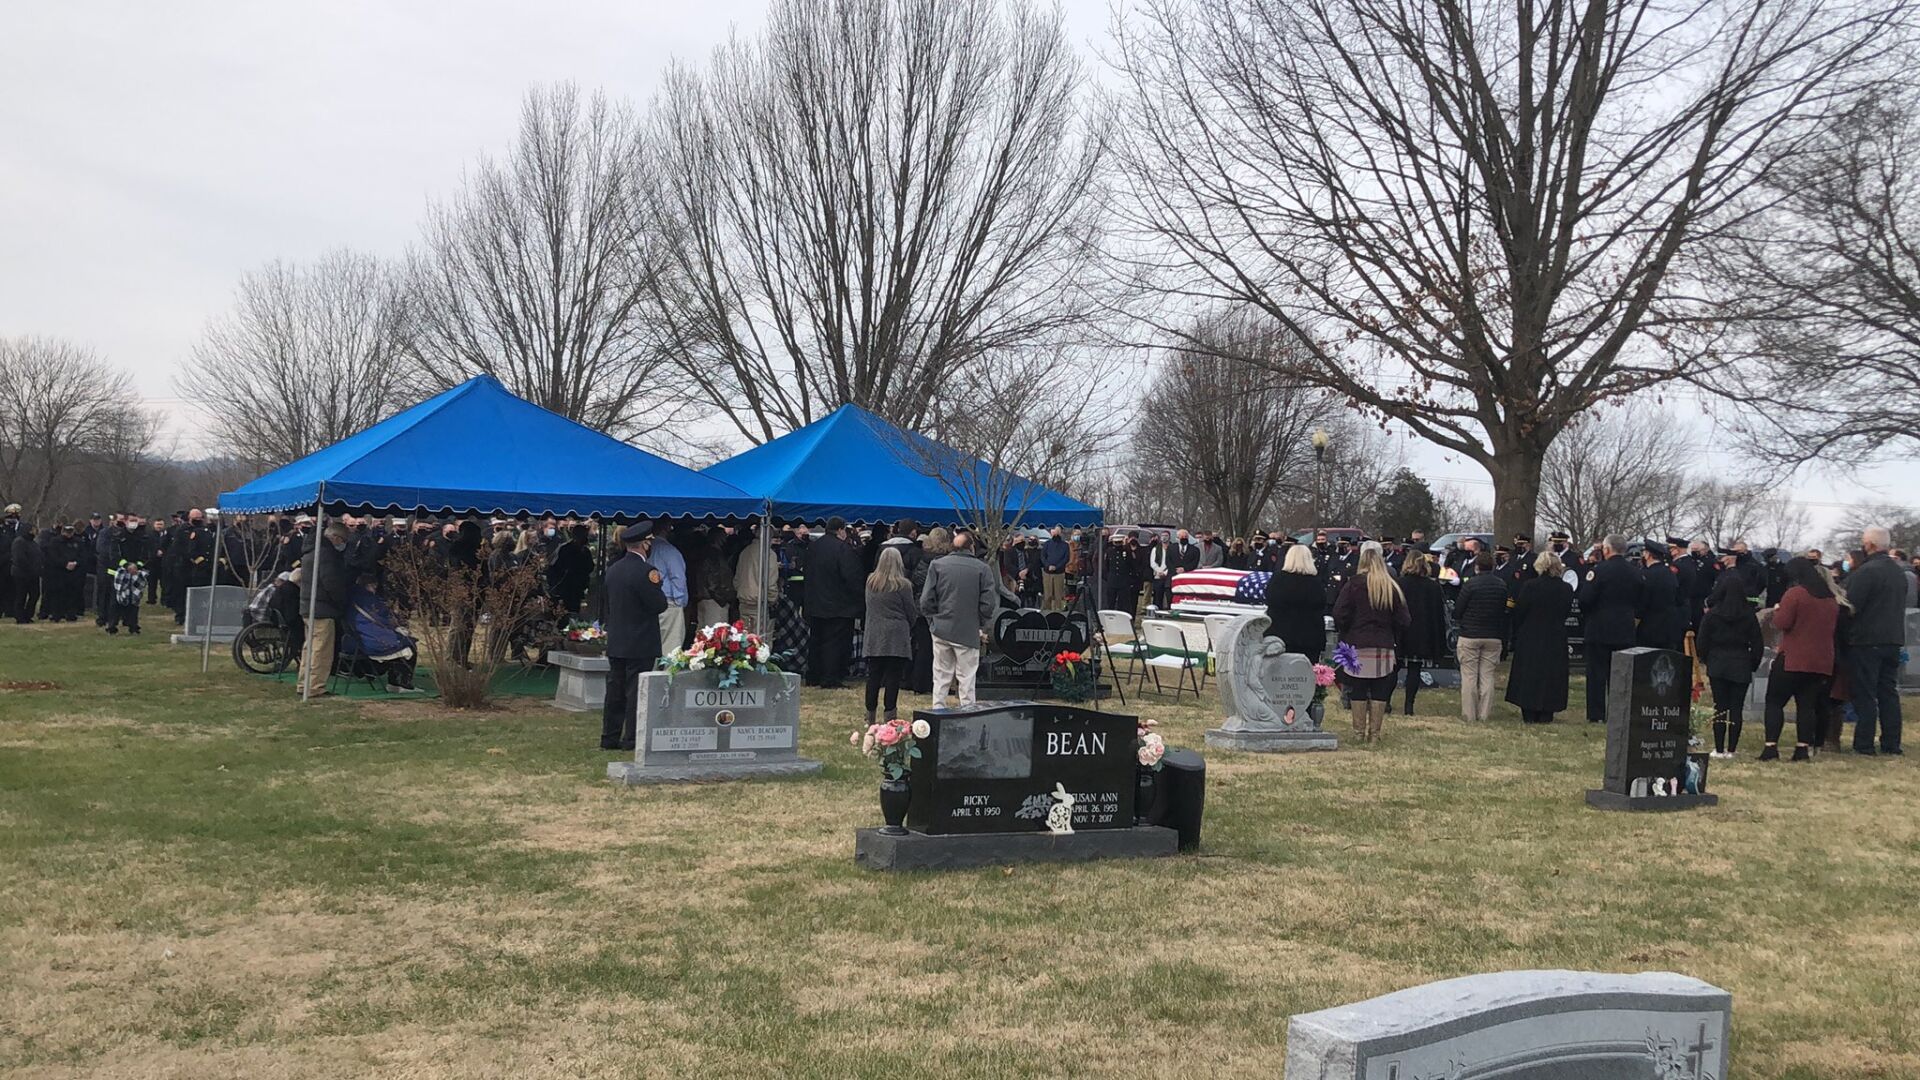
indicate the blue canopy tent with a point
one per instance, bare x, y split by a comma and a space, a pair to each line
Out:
479, 449
854, 465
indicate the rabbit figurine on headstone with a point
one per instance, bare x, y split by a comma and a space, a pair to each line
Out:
1060, 817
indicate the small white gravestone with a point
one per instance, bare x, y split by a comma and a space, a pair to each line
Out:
1910, 671
691, 728
219, 609
1524, 1025
1266, 693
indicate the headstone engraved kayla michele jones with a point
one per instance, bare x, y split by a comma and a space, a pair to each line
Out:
993, 768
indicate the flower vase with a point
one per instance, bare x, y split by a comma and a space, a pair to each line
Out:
1318, 712
894, 797
1143, 795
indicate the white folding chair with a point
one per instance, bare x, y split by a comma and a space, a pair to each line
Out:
1119, 642
1168, 649
1216, 629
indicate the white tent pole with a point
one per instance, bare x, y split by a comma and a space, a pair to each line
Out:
312, 576
206, 632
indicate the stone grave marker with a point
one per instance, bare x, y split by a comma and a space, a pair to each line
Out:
219, 608
582, 686
1910, 671
1522, 1025
1017, 663
689, 728
1266, 693
983, 785
1649, 723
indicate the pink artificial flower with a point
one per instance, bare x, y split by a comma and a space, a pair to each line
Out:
1147, 755
888, 734
1322, 675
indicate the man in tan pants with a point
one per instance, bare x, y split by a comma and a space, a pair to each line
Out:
324, 570
958, 601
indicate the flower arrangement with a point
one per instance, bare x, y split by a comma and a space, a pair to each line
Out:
1072, 676
1149, 747
585, 631
895, 742
726, 648
1323, 677
1346, 658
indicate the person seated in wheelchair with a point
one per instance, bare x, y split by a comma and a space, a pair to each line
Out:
383, 647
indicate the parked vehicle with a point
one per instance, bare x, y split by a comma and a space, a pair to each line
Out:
1442, 543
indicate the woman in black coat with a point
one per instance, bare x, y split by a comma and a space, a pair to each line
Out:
1426, 642
1296, 605
1730, 646
1537, 683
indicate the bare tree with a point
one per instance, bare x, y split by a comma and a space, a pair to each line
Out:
870, 197
309, 355
1008, 429
536, 272
1762, 514
1616, 472
1822, 285
59, 402
1239, 433
1901, 522
1481, 203
128, 458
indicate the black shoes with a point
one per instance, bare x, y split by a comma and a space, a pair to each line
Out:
1770, 752
1802, 753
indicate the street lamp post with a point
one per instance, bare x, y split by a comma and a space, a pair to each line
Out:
1320, 441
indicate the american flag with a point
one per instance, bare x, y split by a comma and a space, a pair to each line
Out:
1222, 586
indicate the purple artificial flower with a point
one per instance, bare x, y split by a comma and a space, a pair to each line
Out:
1347, 657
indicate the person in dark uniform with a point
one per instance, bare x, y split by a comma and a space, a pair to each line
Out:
1520, 569
29, 562
64, 598
1663, 613
634, 603
835, 596
1609, 597
1560, 545
9, 531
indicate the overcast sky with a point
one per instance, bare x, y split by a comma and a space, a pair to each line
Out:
151, 153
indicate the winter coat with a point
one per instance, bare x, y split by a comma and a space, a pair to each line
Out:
888, 629
1362, 625
1538, 679
1296, 613
1878, 593
1481, 609
1427, 619
836, 584
1729, 641
1806, 624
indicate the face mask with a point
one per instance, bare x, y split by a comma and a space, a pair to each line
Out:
550, 533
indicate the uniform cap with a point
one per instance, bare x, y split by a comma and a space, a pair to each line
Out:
636, 532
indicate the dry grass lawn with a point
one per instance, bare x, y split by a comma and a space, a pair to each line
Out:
199, 878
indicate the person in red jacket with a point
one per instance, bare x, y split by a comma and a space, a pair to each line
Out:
1803, 664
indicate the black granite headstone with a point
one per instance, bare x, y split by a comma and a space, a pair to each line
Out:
1018, 660
1649, 723
992, 768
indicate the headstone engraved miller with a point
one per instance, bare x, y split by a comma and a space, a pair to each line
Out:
1522, 1025
984, 783
1017, 663
1265, 692
690, 728
1649, 724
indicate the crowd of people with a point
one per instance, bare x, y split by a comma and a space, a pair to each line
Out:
1838, 630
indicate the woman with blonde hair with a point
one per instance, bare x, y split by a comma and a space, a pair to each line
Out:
888, 631
1370, 617
1297, 606
1537, 680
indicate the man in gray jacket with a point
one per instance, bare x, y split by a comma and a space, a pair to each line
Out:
1878, 591
958, 601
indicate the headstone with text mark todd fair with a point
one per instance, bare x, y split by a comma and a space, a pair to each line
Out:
1522, 1025
1651, 764
691, 728
985, 781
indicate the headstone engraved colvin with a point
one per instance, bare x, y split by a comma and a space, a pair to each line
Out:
985, 780
691, 729
1522, 1025
1649, 725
